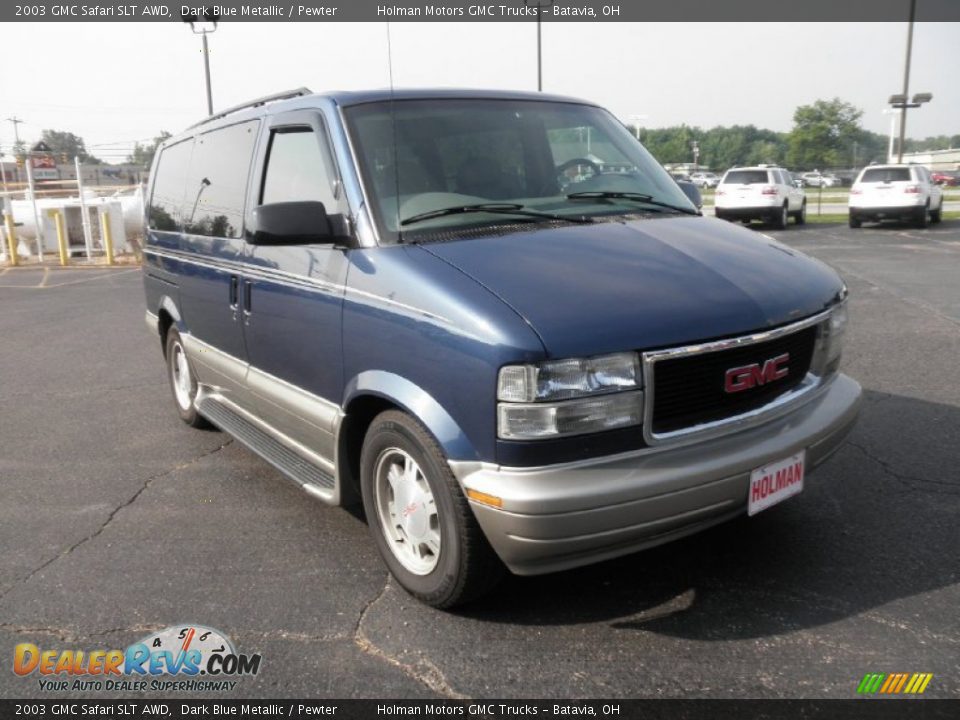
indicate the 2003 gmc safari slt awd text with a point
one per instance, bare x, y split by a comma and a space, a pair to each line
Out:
516, 351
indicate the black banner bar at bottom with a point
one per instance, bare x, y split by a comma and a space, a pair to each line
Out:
879, 708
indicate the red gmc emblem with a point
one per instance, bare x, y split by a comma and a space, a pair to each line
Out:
749, 376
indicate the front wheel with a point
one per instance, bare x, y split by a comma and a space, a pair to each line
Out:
182, 381
420, 521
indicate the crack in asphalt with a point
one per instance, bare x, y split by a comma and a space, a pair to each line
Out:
908, 480
65, 635
103, 526
424, 671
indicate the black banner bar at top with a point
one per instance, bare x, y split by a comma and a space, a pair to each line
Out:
498, 11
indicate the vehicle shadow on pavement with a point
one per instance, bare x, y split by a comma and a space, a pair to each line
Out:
877, 522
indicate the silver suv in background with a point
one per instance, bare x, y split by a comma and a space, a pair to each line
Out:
764, 192
895, 192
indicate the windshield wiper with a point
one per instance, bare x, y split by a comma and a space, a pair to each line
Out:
636, 197
495, 209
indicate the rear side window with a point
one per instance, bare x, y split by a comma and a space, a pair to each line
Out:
168, 186
217, 181
298, 169
746, 177
885, 175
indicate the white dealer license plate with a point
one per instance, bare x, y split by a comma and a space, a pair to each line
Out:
775, 482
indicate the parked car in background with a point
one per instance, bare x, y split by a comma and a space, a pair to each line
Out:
895, 192
692, 192
705, 179
763, 192
946, 178
681, 177
510, 367
815, 179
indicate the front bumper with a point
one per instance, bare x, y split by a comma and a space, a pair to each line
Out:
558, 517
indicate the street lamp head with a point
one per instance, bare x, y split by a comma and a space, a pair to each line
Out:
897, 99
201, 24
922, 98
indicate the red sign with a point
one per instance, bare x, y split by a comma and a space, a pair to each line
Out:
43, 162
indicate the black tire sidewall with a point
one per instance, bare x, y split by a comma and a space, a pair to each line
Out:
441, 581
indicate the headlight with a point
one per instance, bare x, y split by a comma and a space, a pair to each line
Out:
563, 379
826, 357
569, 397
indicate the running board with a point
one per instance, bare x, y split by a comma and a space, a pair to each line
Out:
307, 475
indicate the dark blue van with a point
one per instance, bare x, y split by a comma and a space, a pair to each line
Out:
491, 317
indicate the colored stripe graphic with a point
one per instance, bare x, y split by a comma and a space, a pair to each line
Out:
894, 683
870, 683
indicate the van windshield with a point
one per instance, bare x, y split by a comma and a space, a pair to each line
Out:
418, 157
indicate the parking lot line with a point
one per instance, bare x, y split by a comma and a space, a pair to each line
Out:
45, 284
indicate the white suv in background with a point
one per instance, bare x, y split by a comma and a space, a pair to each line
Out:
705, 179
895, 192
763, 192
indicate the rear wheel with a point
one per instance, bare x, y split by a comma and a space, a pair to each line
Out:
854, 220
937, 215
421, 523
801, 217
780, 219
183, 382
719, 215
923, 217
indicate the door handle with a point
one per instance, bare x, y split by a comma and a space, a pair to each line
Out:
234, 282
247, 297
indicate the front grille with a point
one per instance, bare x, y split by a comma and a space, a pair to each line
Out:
689, 391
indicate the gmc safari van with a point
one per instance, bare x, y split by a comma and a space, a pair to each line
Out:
491, 317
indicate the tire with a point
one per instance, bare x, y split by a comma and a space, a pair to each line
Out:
719, 215
922, 217
437, 553
780, 219
854, 221
183, 382
936, 215
801, 217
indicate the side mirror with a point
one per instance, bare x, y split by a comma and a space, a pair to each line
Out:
291, 223
692, 192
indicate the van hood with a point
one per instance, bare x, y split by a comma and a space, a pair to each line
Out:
644, 284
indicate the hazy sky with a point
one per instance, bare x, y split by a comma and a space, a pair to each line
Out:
113, 83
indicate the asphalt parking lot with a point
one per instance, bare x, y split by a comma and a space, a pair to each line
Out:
117, 520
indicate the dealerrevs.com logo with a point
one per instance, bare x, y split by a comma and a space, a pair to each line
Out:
186, 658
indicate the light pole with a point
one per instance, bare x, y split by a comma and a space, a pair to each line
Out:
900, 101
893, 131
540, 7
199, 24
638, 118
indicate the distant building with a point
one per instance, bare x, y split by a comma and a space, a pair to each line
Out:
935, 159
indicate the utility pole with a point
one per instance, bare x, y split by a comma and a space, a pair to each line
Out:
540, 6
16, 144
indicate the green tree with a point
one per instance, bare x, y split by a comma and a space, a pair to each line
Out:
823, 134
65, 143
142, 155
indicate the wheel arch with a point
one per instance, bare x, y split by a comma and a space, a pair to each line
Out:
375, 391
168, 315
